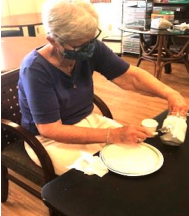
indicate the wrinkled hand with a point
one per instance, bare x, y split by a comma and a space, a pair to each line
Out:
177, 104
130, 134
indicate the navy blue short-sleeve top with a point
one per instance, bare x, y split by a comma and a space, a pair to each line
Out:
46, 94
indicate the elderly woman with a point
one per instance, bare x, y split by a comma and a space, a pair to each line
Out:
56, 86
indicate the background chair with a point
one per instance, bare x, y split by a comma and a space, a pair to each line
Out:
13, 154
177, 52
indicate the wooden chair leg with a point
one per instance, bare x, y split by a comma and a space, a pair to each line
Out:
4, 184
167, 68
139, 61
186, 62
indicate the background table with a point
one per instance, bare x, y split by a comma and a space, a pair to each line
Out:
160, 53
29, 20
13, 50
163, 193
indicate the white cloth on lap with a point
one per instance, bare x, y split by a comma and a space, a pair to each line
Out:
64, 155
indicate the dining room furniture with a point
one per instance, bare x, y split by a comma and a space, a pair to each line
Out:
14, 158
164, 192
29, 20
160, 53
11, 33
13, 50
114, 43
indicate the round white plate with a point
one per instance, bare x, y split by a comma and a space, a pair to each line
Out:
132, 160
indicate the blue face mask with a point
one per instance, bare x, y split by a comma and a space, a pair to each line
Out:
85, 52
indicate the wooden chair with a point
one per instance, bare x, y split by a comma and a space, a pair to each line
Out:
13, 154
170, 52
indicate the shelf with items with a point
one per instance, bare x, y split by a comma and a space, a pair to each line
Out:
130, 43
180, 14
171, 1
138, 14
135, 14
180, 9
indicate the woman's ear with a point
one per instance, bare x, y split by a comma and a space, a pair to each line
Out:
51, 41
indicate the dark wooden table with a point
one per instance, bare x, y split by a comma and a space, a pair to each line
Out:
160, 53
162, 193
29, 20
13, 50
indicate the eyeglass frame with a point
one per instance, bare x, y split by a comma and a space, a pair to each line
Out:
77, 48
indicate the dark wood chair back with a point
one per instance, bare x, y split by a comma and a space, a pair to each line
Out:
13, 155
9, 103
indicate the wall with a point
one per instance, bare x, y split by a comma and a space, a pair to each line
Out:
110, 16
109, 13
17, 7
39, 4
13, 7
4, 8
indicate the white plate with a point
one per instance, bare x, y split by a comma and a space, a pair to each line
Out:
132, 160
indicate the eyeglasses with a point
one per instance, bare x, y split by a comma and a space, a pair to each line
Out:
77, 48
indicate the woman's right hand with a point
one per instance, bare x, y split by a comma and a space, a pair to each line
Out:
130, 134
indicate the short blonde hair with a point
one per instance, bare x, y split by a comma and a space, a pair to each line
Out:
69, 19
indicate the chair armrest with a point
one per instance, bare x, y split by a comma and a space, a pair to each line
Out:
34, 143
102, 107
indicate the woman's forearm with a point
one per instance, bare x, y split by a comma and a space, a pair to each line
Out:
82, 135
139, 80
72, 134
